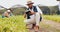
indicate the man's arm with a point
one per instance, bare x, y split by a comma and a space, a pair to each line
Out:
39, 10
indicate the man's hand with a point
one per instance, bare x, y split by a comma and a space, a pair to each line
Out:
32, 12
24, 15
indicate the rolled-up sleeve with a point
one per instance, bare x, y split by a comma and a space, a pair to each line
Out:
39, 10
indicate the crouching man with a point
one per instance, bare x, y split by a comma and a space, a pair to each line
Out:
32, 15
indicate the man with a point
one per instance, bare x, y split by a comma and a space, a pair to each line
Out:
7, 14
33, 17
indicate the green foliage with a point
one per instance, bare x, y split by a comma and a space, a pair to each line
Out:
50, 10
55, 18
18, 11
12, 24
2, 11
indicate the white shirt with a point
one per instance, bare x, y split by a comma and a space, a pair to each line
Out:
39, 10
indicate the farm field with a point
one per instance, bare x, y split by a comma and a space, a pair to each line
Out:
13, 24
16, 24
55, 18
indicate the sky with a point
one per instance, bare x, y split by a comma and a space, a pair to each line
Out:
9, 3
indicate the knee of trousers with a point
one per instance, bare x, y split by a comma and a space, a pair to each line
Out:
28, 21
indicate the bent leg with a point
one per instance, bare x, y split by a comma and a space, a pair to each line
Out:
37, 18
30, 21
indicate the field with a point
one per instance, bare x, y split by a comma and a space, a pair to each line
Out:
16, 24
55, 18
13, 24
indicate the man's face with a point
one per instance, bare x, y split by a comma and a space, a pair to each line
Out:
30, 5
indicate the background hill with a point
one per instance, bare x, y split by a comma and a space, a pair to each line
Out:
19, 9
51, 10
2, 9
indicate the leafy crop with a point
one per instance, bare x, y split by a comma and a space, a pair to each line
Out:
55, 18
12, 24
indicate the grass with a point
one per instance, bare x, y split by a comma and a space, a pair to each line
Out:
13, 24
55, 18
16, 24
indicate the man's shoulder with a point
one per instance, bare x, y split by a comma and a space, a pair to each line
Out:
34, 6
